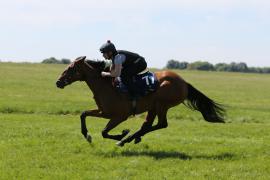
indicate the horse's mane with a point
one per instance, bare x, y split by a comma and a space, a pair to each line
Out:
98, 65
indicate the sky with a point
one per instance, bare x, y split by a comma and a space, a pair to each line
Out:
160, 30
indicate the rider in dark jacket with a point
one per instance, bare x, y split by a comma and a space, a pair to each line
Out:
125, 64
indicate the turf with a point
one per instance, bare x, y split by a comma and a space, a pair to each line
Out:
40, 131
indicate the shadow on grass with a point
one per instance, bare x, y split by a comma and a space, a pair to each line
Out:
223, 156
168, 154
157, 154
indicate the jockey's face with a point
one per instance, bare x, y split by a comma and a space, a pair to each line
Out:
108, 55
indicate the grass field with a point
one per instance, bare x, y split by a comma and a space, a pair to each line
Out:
40, 131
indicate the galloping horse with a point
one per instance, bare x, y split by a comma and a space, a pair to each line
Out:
116, 106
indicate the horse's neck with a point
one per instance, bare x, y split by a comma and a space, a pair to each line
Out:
95, 83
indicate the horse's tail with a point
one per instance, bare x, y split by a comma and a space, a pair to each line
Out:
211, 111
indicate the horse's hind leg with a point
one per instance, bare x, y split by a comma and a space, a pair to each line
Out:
162, 122
145, 127
112, 124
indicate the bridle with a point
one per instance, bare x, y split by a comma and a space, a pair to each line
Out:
98, 74
72, 69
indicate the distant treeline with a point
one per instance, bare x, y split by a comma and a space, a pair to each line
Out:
53, 60
206, 66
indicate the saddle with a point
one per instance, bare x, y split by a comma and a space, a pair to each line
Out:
146, 83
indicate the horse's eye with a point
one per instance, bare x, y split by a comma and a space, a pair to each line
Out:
71, 70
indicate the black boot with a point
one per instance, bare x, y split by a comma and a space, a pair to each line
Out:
132, 90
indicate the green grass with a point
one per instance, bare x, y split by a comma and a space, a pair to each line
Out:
40, 131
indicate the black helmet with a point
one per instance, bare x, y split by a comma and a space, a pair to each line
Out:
107, 47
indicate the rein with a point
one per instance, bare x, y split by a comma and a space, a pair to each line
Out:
98, 75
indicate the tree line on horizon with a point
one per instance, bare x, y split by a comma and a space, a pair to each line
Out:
53, 60
183, 65
206, 66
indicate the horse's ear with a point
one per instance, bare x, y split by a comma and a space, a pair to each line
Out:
81, 58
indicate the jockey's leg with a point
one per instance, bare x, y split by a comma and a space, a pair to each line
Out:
112, 124
132, 88
128, 76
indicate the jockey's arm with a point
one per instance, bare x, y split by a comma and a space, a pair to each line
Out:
115, 71
115, 68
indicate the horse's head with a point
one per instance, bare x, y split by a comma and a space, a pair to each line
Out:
72, 73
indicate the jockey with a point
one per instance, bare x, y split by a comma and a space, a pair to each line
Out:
125, 64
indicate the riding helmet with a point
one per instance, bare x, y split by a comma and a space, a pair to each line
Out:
107, 47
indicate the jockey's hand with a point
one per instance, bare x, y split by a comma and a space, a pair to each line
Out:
117, 80
105, 74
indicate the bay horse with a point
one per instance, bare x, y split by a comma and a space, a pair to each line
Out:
117, 107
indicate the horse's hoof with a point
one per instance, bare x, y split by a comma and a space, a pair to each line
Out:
120, 144
125, 132
89, 138
137, 140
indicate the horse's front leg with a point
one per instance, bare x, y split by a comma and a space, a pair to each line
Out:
94, 113
145, 127
112, 124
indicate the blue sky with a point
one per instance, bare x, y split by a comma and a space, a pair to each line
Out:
185, 30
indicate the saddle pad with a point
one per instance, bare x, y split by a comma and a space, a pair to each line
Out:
146, 83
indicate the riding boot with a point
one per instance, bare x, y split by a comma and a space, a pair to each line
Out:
132, 89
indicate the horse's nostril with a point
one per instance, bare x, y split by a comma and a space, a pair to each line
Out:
59, 84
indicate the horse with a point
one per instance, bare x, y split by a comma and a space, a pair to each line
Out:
117, 107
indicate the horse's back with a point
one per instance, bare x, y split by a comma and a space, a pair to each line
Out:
172, 88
